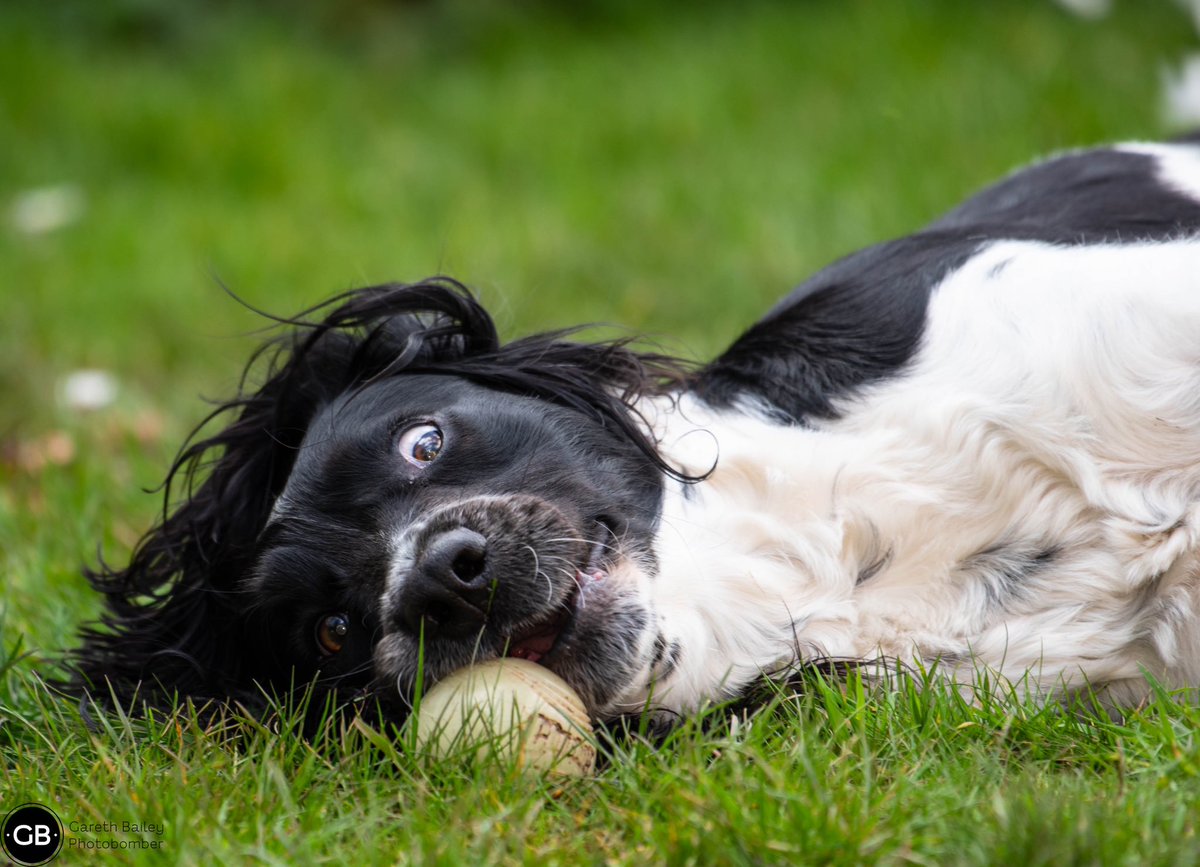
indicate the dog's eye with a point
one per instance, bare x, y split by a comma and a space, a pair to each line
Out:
421, 444
331, 633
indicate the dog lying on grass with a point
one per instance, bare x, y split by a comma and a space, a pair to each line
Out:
978, 445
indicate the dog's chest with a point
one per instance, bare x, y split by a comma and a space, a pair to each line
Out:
1009, 497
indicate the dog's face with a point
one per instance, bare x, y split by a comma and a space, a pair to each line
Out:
425, 509
401, 495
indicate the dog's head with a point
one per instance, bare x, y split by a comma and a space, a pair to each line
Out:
403, 495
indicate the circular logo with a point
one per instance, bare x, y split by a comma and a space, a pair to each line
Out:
32, 834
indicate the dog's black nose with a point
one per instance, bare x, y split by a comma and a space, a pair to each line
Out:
448, 587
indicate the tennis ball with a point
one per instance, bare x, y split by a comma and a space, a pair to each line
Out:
508, 708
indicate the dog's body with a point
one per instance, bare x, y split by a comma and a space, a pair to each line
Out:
975, 446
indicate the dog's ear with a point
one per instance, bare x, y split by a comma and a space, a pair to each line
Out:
175, 619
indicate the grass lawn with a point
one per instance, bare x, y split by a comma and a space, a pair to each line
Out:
672, 168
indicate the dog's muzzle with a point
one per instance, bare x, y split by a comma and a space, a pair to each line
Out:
449, 588
489, 564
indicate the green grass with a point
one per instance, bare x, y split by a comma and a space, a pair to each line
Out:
671, 169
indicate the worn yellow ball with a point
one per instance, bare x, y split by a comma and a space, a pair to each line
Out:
508, 708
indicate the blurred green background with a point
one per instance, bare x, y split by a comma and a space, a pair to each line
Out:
672, 167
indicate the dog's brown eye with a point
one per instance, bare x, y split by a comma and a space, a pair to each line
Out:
331, 633
421, 444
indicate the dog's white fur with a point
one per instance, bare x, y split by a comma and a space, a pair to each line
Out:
1051, 417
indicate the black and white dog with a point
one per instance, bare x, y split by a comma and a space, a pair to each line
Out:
978, 445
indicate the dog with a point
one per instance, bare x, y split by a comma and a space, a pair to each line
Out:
974, 446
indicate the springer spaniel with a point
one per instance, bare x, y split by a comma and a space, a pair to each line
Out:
975, 446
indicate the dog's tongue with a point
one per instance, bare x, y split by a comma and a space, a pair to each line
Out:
534, 647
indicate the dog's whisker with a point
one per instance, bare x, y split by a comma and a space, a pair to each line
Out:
580, 597
595, 543
538, 571
552, 558
344, 675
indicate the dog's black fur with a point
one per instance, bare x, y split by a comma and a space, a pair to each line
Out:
860, 319
181, 620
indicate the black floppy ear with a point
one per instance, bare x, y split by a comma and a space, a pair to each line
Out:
175, 621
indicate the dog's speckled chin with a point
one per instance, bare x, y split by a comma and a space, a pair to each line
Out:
601, 650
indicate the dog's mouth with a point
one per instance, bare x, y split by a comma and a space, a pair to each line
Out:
538, 640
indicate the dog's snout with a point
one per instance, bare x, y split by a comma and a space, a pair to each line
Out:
448, 587
460, 555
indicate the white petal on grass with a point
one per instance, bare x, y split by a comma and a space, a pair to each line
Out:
88, 389
1087, 8
47, 209
1181, 93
